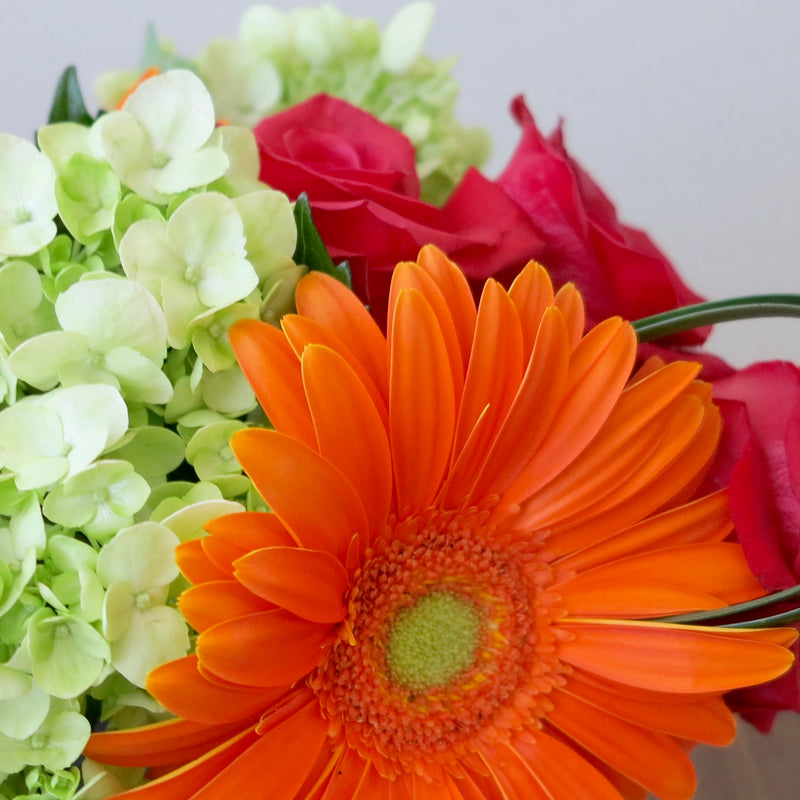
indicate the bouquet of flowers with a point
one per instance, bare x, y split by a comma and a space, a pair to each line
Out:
332, 468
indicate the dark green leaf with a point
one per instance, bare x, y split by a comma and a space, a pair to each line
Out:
311, 249
68, 105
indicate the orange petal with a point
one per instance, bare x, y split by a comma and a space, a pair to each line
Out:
453, 284
302, 331
491, 381
409, 275
672, 658
309, 495
563, 774
309, 583
531, 292
273, 648
181, 688
215, 601
195, 565
168, 742
421, 407
716, 571
273, 371
250, 530
704, 520
296, 742
329, 302
533, 411
350, 432
599, 367
696, 718
569, 301
649, 758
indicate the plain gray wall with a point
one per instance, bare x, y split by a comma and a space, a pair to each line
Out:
686, 111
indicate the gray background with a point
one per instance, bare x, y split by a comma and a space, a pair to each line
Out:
686, 111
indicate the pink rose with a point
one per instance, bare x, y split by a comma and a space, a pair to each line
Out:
759, 459
360, 178
617, 268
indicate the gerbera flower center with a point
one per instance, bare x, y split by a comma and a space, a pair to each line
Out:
434, 641
448, 633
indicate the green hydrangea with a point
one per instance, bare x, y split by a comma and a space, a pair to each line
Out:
281, 58
118, 388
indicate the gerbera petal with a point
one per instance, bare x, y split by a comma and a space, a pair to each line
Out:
697, 718
343, 413
707, 519
249, 530
302, 331
599, 368
409, 275
326, 300
181, 688
569, 301
491, 381
169, 742
651, 759
273, 370
298, 738
211, 602
309, 495
453, 285
562, 774
672, 658
422, 403
309, 583
287, 647
531, 293
195, 565
711, 574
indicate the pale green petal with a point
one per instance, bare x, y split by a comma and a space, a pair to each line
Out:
67, 553
191, 170
225, 278
212, 344
59, 741
130, 209
204, 225
67, 653
155, 635
265, 30
23, 704
270, 230
228, 392
240, 146
405, 35
143, 555
146, 255
209, 450
118, 606
62, 140
113, 313
111, 87
279, 290
38, 361
139, 378
27, 197
24, 310
153, 452
176, 110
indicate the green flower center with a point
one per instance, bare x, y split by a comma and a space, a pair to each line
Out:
434, 640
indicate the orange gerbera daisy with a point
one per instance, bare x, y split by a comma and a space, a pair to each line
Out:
473, 519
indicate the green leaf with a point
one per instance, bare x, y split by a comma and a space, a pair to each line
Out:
68, 105
311, 249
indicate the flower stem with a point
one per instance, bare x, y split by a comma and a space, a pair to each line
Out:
696, 316
708, 617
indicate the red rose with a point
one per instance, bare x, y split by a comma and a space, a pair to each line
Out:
759, 458
360, 178
617, 268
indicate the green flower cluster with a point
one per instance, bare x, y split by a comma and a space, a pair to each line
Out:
128, 246
282, 58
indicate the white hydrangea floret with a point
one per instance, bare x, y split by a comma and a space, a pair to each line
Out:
195, 264
137, 566
27, 198
404, 36
113, 331
158, 143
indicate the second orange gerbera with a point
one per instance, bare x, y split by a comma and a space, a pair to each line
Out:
474, 518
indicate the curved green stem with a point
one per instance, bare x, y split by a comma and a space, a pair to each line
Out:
696, 316
707, 617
